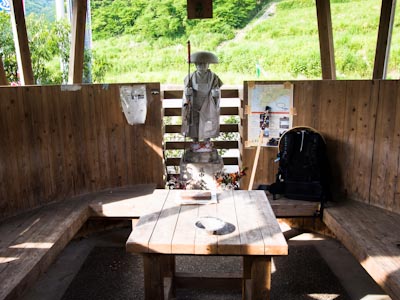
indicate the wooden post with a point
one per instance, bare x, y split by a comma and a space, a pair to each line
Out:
326, 39
77, 42
384, 39
21, 43
260, 277
256, 158
246, 275
153, 279
168, 270
3, 78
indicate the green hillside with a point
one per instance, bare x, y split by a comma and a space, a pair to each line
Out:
145, 40
283, 42
41, 7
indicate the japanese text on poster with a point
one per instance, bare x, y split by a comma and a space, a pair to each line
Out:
270, 109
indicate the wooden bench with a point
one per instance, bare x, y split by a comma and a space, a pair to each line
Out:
129, 203
372, 235
287, 208
30, 242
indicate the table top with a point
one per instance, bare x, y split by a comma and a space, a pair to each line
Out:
169, 228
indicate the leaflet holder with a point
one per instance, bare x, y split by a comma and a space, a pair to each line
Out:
134, 103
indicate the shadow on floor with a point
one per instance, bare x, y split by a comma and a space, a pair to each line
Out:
97, 267
111, 273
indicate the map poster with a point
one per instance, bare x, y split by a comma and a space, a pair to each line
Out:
269, 110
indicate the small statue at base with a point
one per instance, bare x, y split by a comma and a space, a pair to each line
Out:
201, 102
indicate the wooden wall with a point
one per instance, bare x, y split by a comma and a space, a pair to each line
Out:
55, 144
360, 121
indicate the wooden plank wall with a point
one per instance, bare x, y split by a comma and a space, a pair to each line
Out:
55, 144
360, 121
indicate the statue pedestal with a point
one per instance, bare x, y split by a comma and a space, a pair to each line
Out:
198, 169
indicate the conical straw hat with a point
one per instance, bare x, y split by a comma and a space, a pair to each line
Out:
203, 57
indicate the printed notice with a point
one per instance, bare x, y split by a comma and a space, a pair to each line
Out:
270, 107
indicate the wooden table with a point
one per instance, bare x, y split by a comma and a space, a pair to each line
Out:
168, 229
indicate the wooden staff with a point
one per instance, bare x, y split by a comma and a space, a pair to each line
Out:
187, 114
260, 138
188, 50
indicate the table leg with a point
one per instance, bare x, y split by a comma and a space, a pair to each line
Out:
153, 277
168, 267
259, 269
168, 262
261, 278
246, 275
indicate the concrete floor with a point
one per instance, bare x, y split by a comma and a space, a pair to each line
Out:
61, 279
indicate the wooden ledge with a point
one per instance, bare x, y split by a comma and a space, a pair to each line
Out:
127, 202
132, 202
372, 235
288, 208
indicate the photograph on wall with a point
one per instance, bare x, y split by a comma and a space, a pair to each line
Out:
270, 108
134, 103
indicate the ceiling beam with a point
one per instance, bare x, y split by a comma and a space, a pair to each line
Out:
3, 78
384, 38
21, 43
326, 39
78, 41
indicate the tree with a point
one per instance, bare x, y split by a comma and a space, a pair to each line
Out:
43, 47
49, 44
7, 48
113, 18
152, 19
44, 39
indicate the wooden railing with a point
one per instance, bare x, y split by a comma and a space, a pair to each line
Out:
230, 103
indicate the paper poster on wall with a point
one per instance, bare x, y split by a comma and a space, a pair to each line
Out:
270, 109
134, 103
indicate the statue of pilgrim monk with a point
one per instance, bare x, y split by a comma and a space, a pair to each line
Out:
201, 102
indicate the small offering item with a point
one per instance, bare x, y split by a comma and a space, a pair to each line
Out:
197, 197
210, 224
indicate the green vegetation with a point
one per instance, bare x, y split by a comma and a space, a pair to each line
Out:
145, 40
149, 41
46, 8
49, 47
154, 19
44, 40
284, 43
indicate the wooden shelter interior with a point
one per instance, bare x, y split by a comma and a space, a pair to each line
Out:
64, 147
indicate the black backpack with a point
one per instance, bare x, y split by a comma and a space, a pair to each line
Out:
303, 172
